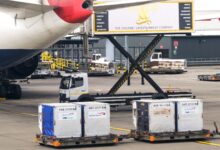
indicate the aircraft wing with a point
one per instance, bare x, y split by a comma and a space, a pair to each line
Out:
102, 5
27, 8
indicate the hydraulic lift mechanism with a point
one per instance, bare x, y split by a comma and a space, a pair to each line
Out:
135, 65
74, 87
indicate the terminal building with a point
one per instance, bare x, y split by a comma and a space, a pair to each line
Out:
198, 50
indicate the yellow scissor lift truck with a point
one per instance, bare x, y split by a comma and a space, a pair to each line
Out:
74, 86
57, 65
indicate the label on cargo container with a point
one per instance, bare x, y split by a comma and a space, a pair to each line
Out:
67, 109
162, 111
189, 108
67, 116
161, 108
97, 107
97, 114
155, 105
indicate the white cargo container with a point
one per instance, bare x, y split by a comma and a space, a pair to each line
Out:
62, 120
96, 119
189, 115
154, 116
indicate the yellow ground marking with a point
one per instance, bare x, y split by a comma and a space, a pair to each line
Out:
120, 129
29, 114
208, 143
18, 113
2, 99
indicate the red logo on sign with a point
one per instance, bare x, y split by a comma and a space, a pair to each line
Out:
176, 43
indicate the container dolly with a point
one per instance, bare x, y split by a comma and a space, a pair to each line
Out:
214, 77
52, 141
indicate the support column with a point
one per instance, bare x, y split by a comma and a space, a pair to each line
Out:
109, 51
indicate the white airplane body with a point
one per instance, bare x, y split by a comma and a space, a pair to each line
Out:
32, 33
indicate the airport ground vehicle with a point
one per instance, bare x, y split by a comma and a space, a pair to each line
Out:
158, 137
88, 118
43, 70
74, 87
85, 141
100, 66
213, 77
158, 64
115, 139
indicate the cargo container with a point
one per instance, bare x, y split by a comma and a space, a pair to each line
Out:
189, 115
60, 120
186, 120
96, 119
78, 124
154, 116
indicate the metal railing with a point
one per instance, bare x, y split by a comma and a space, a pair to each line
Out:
203, 61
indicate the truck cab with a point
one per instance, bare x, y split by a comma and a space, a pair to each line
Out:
156, 57
73, 86
96, 56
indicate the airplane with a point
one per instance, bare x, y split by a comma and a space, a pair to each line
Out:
207, 18
28, 26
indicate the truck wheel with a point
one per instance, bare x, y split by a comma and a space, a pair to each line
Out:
62, 101
18, 93
14, 91
85, 99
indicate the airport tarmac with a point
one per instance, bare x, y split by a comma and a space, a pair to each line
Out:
19, 122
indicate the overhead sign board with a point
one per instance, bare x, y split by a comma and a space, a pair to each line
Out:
163, 17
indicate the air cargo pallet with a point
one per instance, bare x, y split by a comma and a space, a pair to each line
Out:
76, 142
173, 136
214, 77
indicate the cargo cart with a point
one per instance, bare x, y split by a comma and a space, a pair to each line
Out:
214, 77
52, 141
172, 136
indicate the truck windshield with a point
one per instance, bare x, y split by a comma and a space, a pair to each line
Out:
155, 56
77, 82
65, 83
